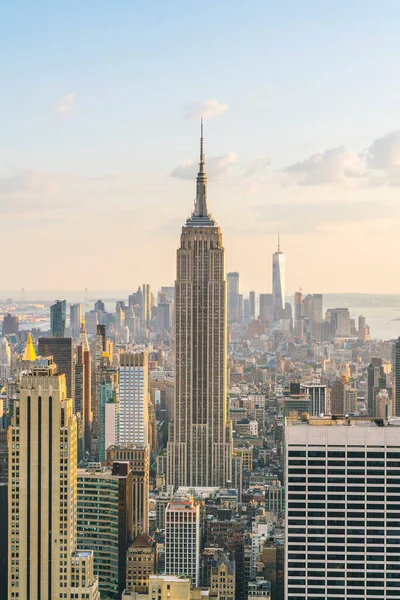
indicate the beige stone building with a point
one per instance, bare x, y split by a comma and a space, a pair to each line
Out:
222, 578
141, 560
43, 493
200, 446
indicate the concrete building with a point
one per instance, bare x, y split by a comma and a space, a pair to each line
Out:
83, 404
43, 493
259, 588
182, 538
104, 521
108, 407
141, 561
134, 398
5, 359
344, 475
84, 584
138, 457
200, 438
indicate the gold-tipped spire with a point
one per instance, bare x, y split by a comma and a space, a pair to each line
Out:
29, 352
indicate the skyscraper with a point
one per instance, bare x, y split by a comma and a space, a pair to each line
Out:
182, 538
43, 492
266, 308
252, 298
82, 403
134, 398
278, 282
200, 441
61, 349
298, 317
138, 457
104, 522
396, 377
58, 318
343, 512
75, 320
235, 299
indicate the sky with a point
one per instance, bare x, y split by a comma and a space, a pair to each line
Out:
99, 140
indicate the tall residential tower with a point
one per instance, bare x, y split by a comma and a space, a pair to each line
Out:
200, 446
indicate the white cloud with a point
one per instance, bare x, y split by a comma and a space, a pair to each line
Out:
66, 105
216, 167
384, 152
332, 166
205, 109
255, 166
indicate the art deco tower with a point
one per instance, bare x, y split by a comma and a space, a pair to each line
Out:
200, 446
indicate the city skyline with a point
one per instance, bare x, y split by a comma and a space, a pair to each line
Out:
307, 144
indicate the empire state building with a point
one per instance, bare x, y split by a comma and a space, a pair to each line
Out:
199, 451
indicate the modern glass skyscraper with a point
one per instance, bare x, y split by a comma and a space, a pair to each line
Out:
58, 317
200, 446
278, 282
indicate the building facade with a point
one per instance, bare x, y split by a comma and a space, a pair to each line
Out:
343, 509
182, 538
134, 398
43, 491
200, 440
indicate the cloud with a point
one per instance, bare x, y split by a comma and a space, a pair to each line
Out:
306, 217
255, 166
384, 152
332, 166
217, 167
66, 105
205, 109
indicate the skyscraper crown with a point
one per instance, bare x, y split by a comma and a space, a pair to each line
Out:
200, 216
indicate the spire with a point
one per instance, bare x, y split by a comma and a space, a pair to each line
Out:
201, 188
29, 352
83, 339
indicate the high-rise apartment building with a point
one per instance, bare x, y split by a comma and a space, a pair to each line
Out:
138, 457
43, 492
200, 440
58, 318
134, 398
182, 538
343, 509
396, 377
75, 320
104, 521
62, 351
278, 282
